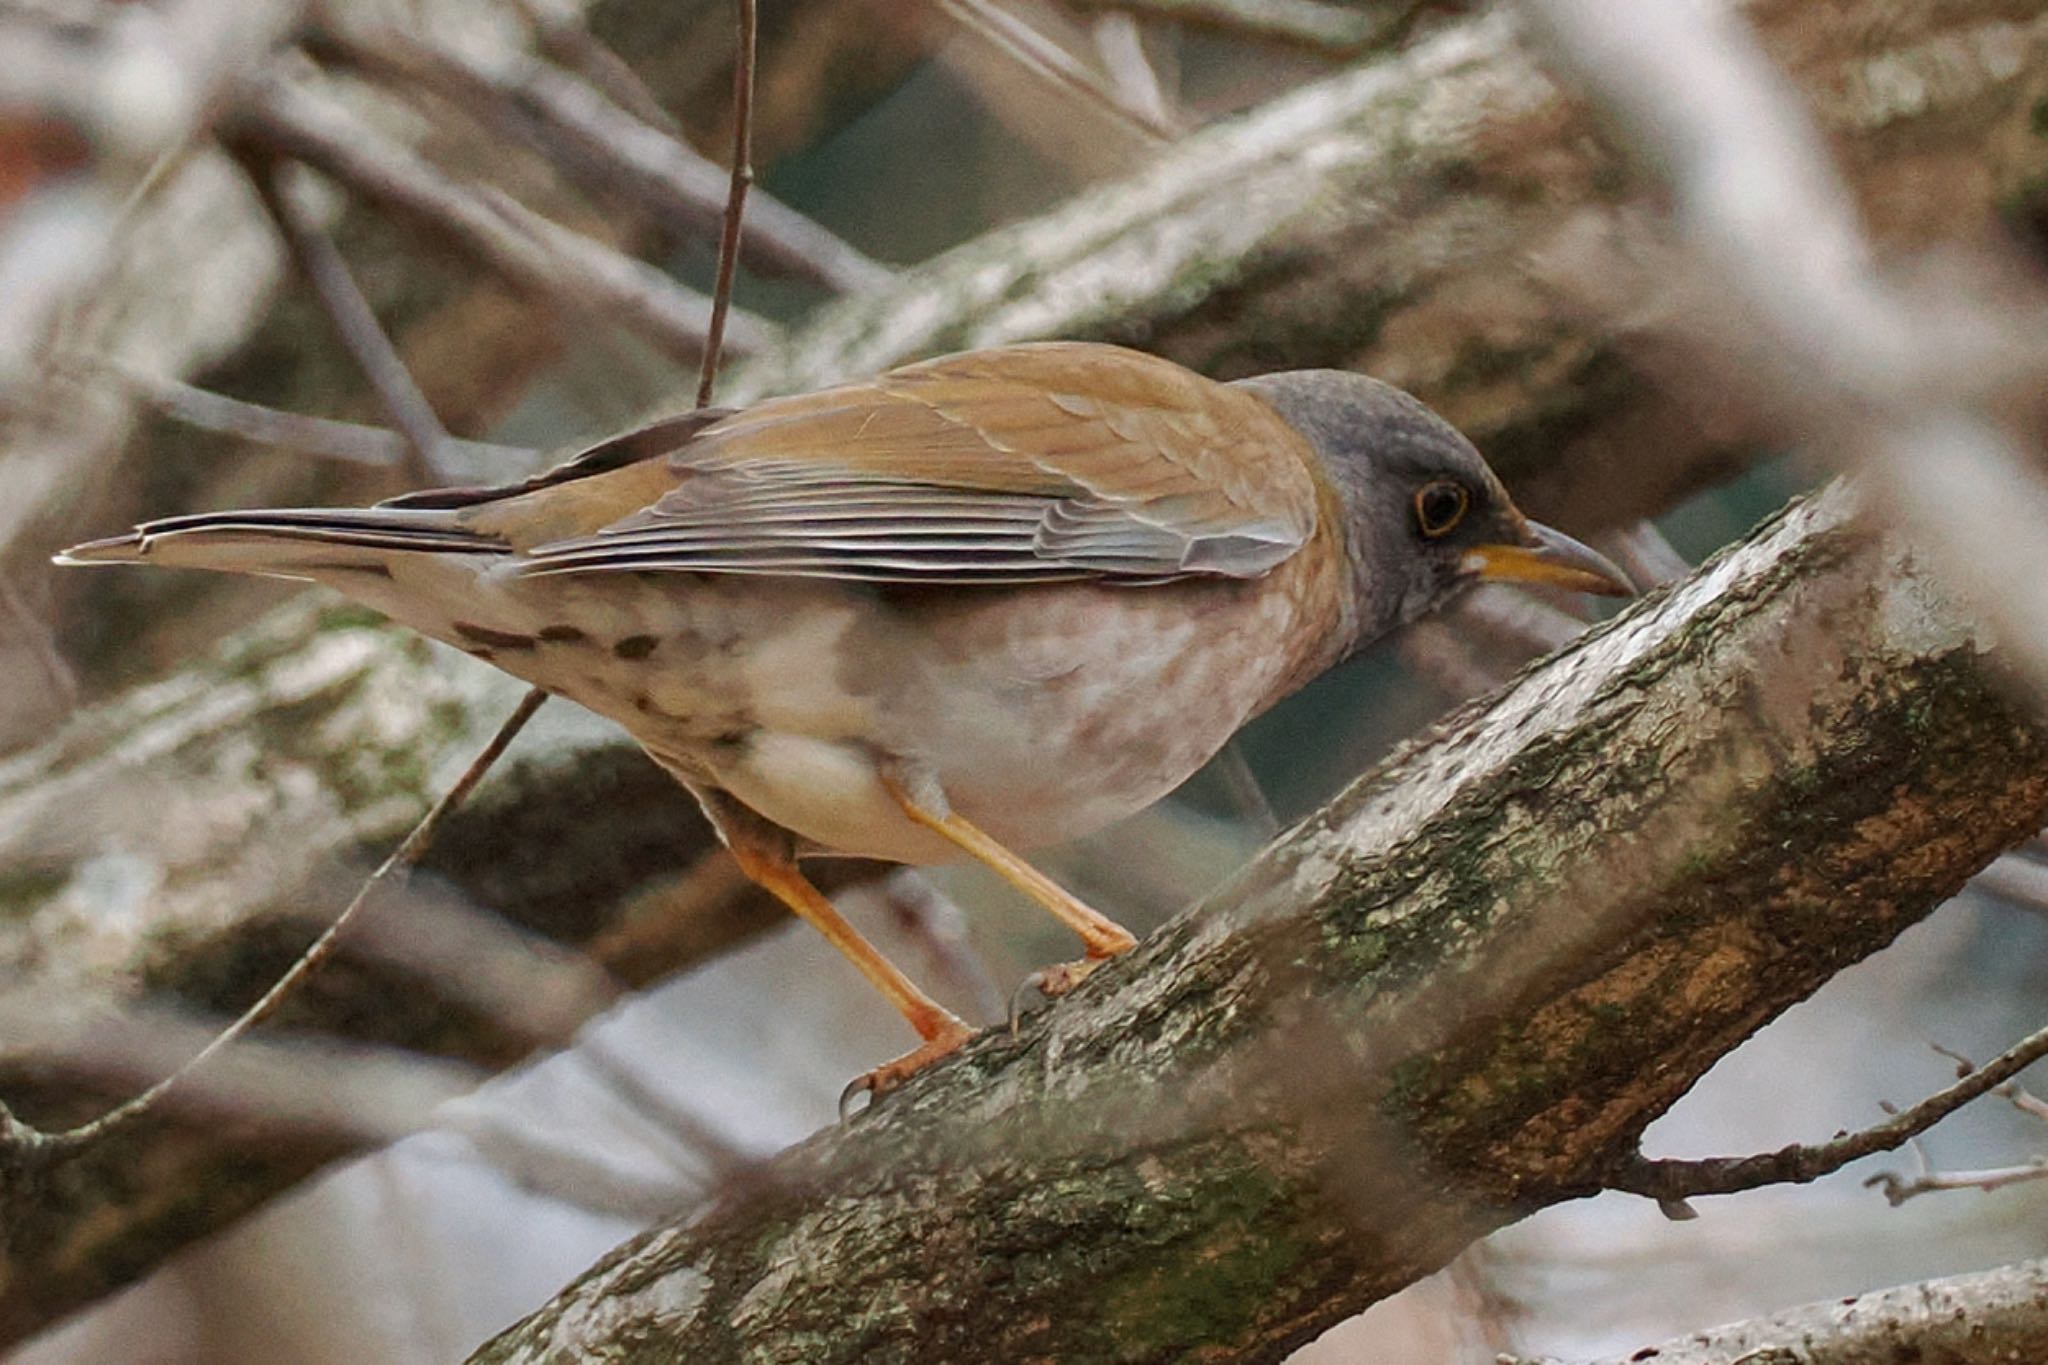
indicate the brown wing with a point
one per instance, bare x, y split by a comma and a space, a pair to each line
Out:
1023, 463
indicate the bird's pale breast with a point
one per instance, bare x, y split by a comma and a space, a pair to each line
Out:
1045, 712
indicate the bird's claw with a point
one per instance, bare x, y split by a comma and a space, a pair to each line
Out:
1052, 983
889, 1075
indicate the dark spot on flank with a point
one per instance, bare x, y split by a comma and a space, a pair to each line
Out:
496, 639
562, 635
635, 647
644, 704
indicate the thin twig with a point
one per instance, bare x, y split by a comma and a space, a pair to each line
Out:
578, 273
1052, 63
355, 323
1672, 1181
736, 203
43, 648
1644, 554
1898, 1189
667, 1120
320, 437
26, 1145
560, 31
926, 915
1246, 792
602, 146
1330, 29
1120, 44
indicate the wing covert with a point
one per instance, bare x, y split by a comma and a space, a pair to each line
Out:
1018, 464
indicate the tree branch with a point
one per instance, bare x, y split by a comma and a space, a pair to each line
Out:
1670, 1181
1456, 995
1991, 1317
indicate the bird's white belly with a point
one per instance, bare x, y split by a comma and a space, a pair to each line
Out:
796, 697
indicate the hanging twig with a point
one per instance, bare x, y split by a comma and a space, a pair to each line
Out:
21, 1144
736, 203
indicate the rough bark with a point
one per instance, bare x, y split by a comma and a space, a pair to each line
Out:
1424, 217
1991, 1317
1454, 996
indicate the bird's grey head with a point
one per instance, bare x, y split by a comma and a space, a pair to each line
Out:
1424, 516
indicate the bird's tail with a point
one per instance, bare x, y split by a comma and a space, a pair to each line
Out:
288, 542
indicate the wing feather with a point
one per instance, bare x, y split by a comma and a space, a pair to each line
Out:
1020, 464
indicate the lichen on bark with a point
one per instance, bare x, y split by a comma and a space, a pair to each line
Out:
1458, 993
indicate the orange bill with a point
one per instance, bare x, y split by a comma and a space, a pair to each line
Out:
1551, 558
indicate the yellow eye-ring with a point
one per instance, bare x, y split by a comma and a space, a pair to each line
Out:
1440, 506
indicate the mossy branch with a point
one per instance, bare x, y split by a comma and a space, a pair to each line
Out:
1457, 994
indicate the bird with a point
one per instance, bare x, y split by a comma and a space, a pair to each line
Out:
975, 606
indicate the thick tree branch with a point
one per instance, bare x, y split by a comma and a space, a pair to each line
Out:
1991, 1317
1454, 996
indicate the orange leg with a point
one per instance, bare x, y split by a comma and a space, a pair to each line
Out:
1103, 937
765, 852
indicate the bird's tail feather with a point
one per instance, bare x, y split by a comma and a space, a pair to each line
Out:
287, 542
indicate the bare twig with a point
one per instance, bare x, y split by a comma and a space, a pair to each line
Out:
355, 323
357, 1091
606, 147
1331, 29
1120, 43
577, 272
940, 929
1644, 554
2020, 1098
1898, 1189
36, 632
1053, 63
560, 32
736, 203
1926, 1179
320, 437
22, 1145
1672, 1181
667, 1121
1245, 791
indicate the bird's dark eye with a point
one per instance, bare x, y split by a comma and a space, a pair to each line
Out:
1440, 506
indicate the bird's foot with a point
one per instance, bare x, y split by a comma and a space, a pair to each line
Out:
1052, 983
889, 1075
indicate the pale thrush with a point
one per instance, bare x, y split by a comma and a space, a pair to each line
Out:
984, 603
